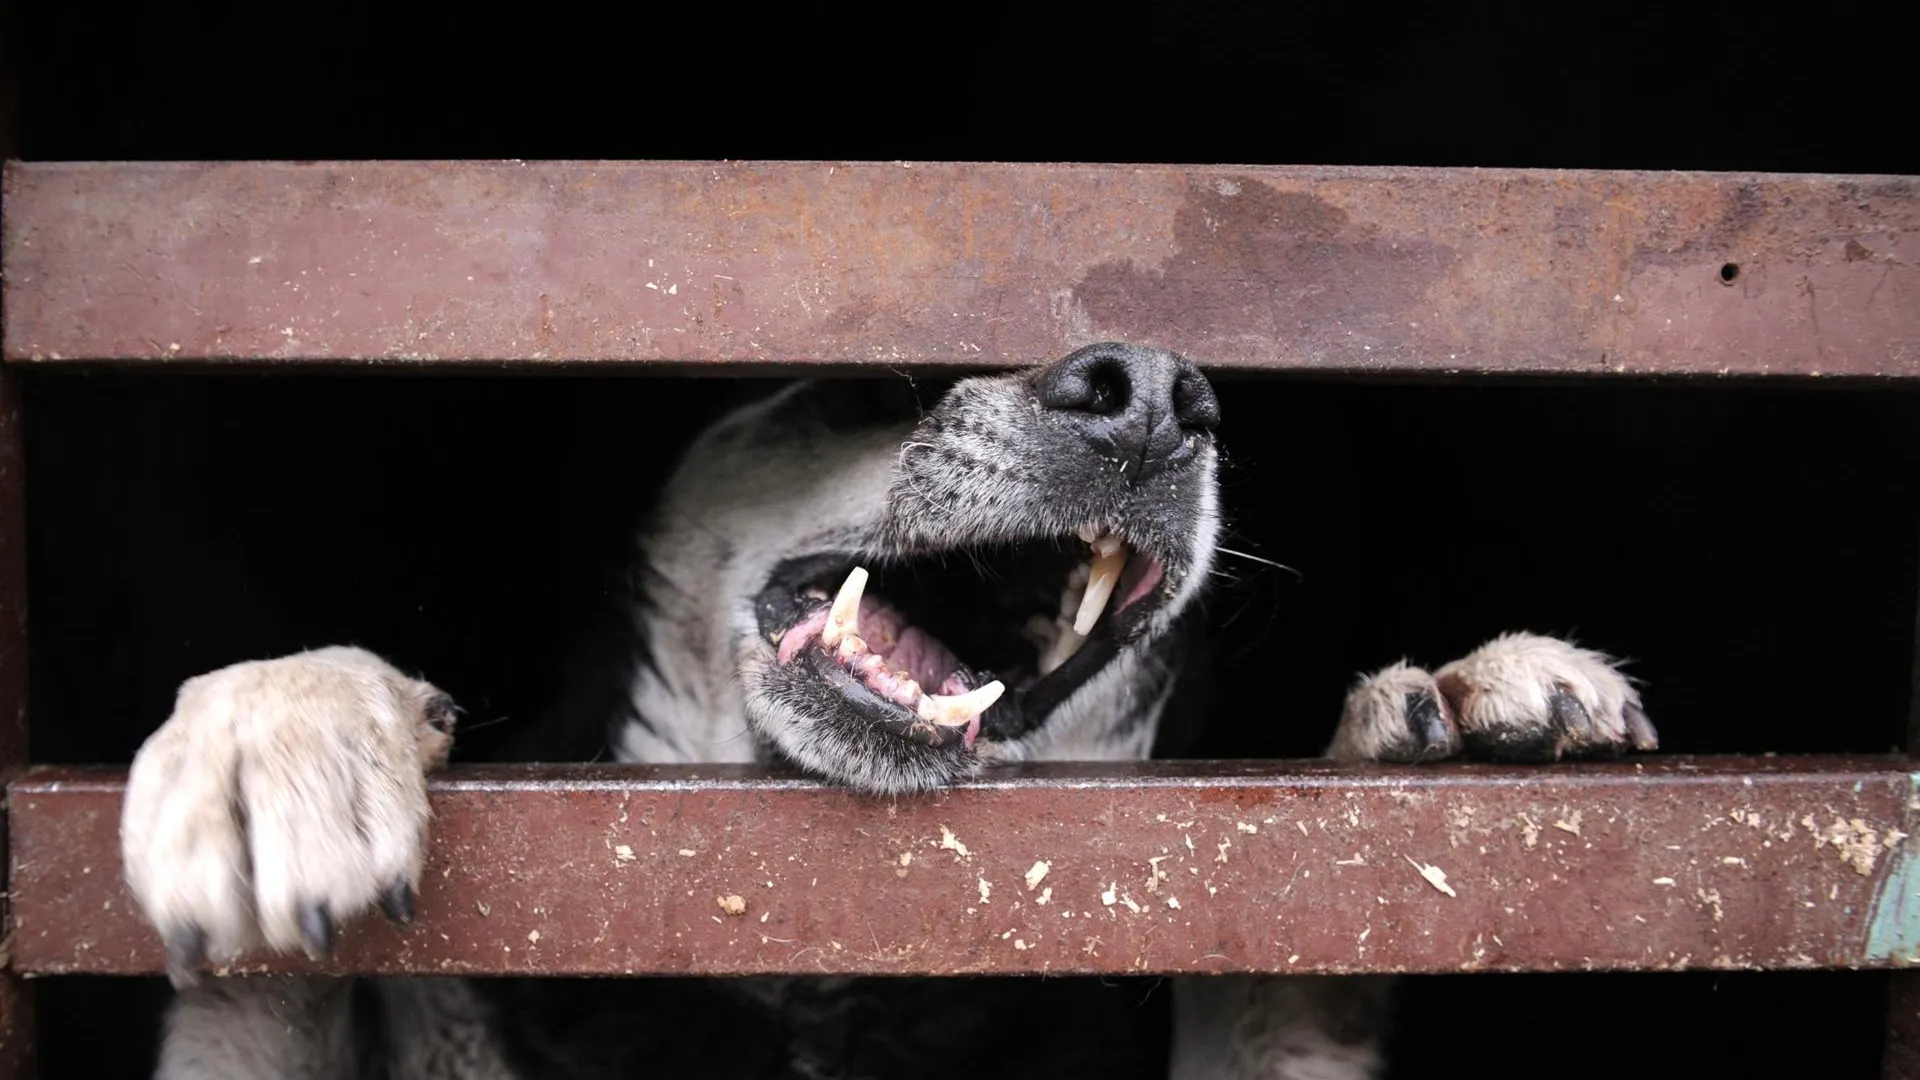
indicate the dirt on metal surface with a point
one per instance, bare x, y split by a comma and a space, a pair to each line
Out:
1290, 867
869, 266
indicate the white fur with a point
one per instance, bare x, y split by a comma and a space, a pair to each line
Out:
1374, 722
237, 809
1503, 688
1507, 681
1299, 1027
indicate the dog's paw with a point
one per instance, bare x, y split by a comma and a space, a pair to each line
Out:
280, 798
1523, 697
1520, 697
1396, 714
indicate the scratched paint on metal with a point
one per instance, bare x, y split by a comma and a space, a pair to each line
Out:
1893, 927
1893, 930
1670, 864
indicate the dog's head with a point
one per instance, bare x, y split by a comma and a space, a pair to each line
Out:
892, 595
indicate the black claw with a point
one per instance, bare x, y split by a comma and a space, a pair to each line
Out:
186, 951
397, 902
316, 930
1566, 727
1569, 714
1432, 731
442, 713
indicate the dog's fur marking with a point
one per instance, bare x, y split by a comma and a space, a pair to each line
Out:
286, 795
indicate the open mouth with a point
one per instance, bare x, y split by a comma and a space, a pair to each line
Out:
965, 644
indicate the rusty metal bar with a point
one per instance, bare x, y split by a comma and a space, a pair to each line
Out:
876, 266
1294, 867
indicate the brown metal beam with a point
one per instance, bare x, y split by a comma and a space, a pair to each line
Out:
876, 266
1289, 867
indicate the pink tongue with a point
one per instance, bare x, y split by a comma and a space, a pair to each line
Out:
923, 656
885, 630
904, 647
1148, 580
880, 624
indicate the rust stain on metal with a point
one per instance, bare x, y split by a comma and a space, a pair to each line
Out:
1677, 864
875, 266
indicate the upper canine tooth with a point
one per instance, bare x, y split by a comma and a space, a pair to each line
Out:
1106, 574
1060, 650
1108, 544
1088, 533
960, 709
844, 617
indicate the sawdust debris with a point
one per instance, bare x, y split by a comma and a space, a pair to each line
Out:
1435, 876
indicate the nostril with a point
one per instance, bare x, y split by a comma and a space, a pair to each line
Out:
1141, 409
1194, 402
1108, 389
1097, 385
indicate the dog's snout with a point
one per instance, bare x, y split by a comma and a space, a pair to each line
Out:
1146, 408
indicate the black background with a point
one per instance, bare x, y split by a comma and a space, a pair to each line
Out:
1751, 547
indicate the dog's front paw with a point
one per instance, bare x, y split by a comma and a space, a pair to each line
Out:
1520, 697
281, 797
1396, 714
1524, 697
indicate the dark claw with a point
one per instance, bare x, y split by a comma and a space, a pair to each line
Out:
186, 951
316, 930
442, 713
1569, 714
1547, 739
397, 902
1432, 730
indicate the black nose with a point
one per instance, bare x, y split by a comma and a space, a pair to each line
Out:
1145, 408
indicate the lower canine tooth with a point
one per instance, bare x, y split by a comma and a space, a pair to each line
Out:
1106, 574
844, 617
959, 710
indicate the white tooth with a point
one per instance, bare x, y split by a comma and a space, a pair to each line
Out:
1088, 533
1106, 574
1042, 631
852, 647
1108, 544
1060, 651
960, 709
844, 617
1074, 589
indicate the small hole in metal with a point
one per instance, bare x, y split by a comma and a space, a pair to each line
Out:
1729, 272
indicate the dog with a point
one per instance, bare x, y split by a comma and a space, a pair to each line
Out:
837, 578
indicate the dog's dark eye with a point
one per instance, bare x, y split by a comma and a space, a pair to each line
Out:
442, 713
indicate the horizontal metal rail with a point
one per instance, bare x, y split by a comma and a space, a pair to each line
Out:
1664, 864
876, 266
